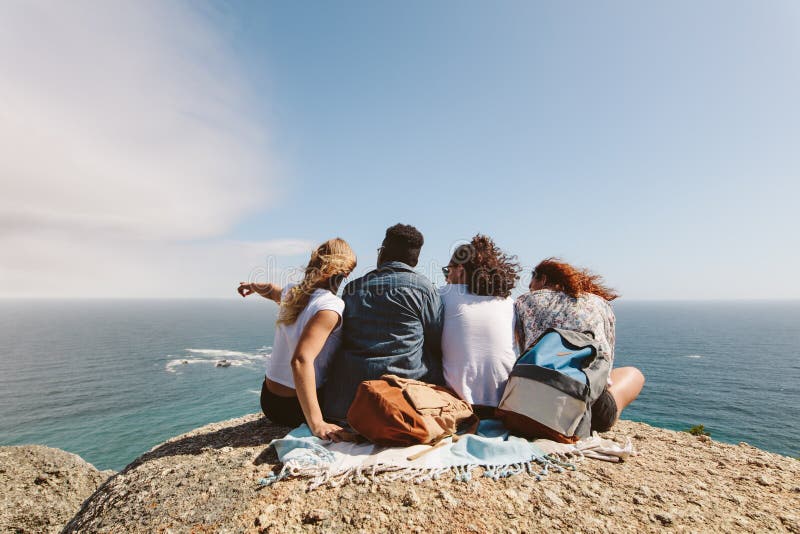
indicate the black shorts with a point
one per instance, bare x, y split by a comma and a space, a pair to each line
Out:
285, 411
484, 412
604, 412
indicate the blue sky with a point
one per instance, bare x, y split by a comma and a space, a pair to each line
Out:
653, 142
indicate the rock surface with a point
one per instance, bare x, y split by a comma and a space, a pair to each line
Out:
42, 488
207, 481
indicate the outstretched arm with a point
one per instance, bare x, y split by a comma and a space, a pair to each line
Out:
266, 290
311, 341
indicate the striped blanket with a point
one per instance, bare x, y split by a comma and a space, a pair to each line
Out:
491, 447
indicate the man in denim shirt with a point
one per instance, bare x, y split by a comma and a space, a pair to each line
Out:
392, 324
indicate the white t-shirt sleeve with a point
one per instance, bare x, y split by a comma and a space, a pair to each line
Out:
329, 302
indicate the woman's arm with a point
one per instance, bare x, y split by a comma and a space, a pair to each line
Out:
266, 290
311, 341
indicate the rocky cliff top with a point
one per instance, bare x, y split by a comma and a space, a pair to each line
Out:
207, 481
42, 488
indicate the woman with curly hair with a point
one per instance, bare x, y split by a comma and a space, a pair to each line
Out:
478, 333
563, 296
307, 333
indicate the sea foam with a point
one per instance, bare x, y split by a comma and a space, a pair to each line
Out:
214, 356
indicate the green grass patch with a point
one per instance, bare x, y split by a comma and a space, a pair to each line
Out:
698, 430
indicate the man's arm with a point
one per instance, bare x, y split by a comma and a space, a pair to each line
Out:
432, 323
266, 290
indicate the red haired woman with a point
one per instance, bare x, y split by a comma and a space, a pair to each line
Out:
562, 296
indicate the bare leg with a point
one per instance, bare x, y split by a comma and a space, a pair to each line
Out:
626, 384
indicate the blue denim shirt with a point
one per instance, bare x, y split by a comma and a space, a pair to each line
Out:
392, 323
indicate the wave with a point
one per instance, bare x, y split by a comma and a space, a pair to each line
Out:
233, 358
220, 352
694, 356
173, 364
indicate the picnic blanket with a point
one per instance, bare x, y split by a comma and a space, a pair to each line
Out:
491, 447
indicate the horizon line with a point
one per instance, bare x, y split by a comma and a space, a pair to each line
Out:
713, 299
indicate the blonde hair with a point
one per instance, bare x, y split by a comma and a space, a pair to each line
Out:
330, 263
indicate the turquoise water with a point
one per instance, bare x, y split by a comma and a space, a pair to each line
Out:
106, 379
731, 366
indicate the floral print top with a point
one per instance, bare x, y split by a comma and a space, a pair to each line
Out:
539, 310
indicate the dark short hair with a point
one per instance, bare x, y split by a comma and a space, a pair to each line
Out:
402, 243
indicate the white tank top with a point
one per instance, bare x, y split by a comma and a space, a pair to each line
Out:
279, 368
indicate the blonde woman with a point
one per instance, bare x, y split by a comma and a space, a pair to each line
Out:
307, 333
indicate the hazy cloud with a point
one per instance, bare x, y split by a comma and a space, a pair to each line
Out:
126, 137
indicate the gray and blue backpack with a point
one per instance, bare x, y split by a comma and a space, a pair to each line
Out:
553, 385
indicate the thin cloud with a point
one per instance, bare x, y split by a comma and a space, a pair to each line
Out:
115, 118
128, 150
44, 266
124, 126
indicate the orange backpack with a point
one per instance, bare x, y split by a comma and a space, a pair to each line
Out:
395, 411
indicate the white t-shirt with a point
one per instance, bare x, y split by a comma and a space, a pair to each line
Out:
478, 349
279, 368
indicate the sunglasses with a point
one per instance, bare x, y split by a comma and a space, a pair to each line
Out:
446, 270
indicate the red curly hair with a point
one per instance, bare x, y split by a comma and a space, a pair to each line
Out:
573, 281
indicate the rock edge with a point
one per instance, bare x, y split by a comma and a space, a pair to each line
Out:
207, 481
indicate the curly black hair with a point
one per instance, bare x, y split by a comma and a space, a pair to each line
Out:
488, 270
402, 243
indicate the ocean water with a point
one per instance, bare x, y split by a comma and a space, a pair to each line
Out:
109, 379
733, 367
